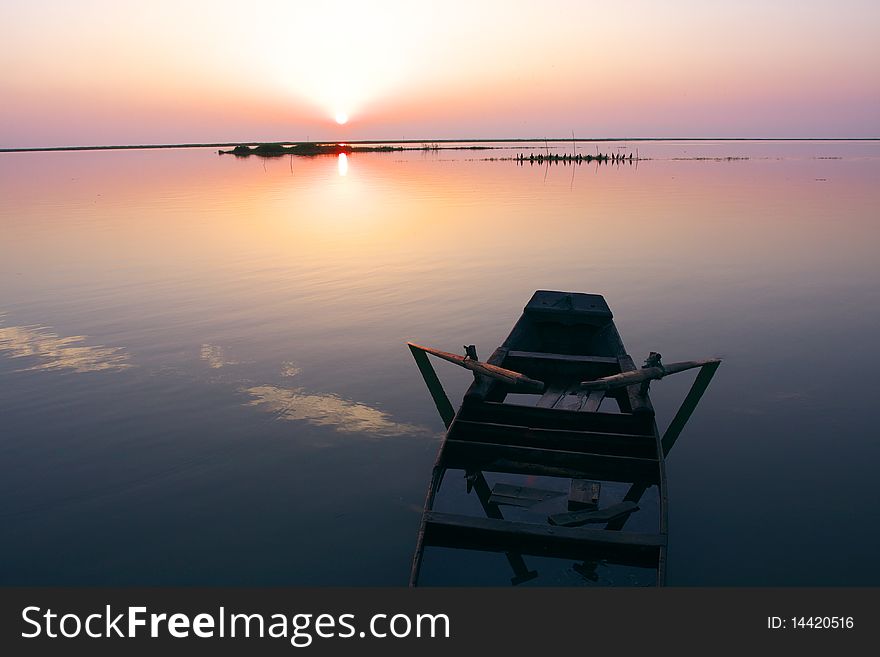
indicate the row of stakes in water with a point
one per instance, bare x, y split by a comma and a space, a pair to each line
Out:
565, 158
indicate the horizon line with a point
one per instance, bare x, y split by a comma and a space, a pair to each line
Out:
34, 149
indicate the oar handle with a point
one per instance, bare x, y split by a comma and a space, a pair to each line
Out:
633, 377
502, 374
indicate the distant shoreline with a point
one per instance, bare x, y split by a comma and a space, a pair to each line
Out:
424, 141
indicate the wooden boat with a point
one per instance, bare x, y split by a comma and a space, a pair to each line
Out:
553, 455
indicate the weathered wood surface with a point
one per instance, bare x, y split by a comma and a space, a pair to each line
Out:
547, 366
468, 455
523, 496
570, 402
584, 493
560, 340
486, 369
484, 388
590, 403
630, 548
575, 518
562, 358
574, 305
553, 393
639, 403
592, 442
532, 416
633, 377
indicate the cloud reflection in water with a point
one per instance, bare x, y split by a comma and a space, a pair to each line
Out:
215, 356
327, 410
59, 353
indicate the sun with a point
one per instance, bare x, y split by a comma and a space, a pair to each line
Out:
341, 118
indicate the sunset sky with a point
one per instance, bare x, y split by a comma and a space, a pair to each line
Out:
115, 72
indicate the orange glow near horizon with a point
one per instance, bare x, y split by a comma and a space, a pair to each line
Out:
188, 72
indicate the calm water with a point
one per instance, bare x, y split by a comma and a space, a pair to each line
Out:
204, 378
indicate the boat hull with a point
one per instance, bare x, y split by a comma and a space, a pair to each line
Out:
548, 446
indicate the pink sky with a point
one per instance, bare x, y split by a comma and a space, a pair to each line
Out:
102, 72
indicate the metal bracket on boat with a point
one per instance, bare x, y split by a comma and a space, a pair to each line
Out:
653, 360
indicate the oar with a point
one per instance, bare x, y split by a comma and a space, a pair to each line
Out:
644, 374
492, 371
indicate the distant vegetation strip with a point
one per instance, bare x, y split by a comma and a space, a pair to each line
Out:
508, 140
314, 148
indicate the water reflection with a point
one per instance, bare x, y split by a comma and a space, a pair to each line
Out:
166, 251
215, 356
327, 410
342, 164
59, 353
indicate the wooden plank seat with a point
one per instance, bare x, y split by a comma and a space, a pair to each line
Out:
491, 534
473, 455
532, 416
572, 367
592, 442
562, 358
